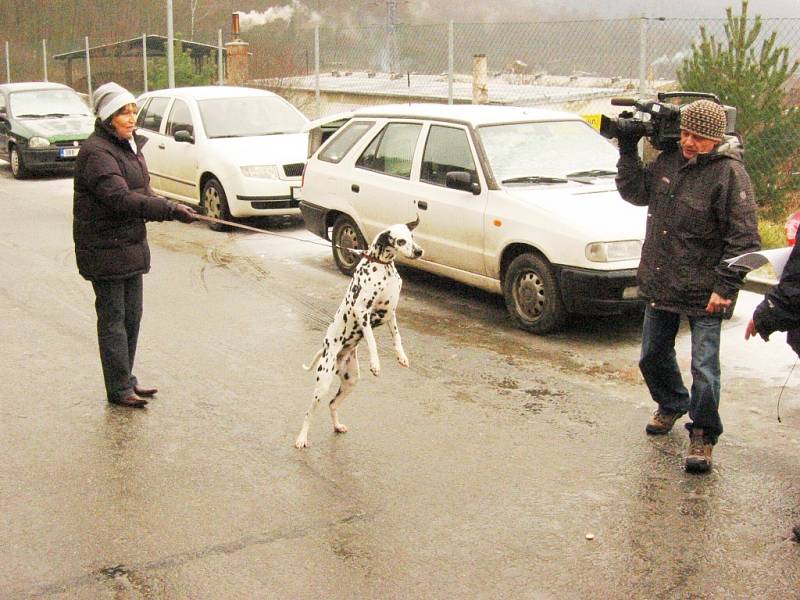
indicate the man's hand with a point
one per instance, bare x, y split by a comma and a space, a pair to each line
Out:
750, 330
717, 304
183, 213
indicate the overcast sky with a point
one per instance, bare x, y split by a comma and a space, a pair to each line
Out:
677, 8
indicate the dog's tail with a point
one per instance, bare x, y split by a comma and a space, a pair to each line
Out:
314, 361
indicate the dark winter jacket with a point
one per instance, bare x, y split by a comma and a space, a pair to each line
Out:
701, 212
112, 201
780, 310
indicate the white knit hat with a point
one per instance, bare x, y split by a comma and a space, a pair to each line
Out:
109, 98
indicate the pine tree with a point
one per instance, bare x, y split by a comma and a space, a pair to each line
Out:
754, 81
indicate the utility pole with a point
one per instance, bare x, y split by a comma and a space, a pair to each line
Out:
391, 27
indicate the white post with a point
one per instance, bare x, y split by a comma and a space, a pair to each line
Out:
88, 68
144, 60
44, 58
170, 47
316, 71
220, 64
450, 55
642, 68
8, 64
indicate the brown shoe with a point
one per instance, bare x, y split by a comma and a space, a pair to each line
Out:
132, 401
796, 532
661, 422
141, 391
698, 460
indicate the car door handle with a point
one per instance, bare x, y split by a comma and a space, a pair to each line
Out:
162, 146
355, 188
422, 205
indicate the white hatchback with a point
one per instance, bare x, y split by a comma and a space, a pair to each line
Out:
516, 201
233, 151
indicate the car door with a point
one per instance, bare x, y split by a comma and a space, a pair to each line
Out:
379, 190
179, 167
452, 221
149, 124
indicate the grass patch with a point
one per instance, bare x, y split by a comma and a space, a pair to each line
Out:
773, 235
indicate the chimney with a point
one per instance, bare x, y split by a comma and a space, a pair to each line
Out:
235, 25
237, 56
480, 85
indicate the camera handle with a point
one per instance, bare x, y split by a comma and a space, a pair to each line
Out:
663, 96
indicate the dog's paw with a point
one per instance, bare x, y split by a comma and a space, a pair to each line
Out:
403, 360
301, 443
340, 428
375, 369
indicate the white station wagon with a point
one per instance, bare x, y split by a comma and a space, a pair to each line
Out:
233, 151
517, 201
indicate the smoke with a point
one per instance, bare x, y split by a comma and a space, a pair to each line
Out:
278, 13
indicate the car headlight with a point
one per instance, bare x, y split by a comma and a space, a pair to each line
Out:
261, 171
38, 142
613, 251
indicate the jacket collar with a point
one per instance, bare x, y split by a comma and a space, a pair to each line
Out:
107, 132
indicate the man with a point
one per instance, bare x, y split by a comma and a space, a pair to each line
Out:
780, 311
701, 212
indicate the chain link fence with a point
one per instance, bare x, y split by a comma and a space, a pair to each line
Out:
572, 65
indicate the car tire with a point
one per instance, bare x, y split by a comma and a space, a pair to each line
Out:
532, 294
215, 204
346, 235
18, 168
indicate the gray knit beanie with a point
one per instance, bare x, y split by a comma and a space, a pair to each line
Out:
705, 118
109, 98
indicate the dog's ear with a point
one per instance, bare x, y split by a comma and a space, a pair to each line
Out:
413, 224
383, 239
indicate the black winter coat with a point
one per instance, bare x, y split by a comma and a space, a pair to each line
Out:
112, 201
700, 213
780, 310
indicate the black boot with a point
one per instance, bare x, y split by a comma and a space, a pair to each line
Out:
796, 532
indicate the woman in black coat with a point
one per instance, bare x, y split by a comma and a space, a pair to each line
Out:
112, 202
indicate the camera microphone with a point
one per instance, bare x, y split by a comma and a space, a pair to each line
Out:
623, 102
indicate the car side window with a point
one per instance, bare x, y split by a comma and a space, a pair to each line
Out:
152, 114
447, 149
347, 138
180, 118
392, 150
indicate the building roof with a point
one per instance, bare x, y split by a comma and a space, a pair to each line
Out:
156, 46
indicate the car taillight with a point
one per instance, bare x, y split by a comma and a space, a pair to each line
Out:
791, 228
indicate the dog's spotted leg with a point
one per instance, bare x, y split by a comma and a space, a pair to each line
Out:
325, 377
348, 377
374, 361
398, 343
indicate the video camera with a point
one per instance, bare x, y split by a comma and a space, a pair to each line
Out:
658, 120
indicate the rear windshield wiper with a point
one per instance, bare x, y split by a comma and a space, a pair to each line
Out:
56, 115
535, 179
30, 116
592, 173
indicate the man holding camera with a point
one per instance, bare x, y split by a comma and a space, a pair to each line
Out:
701, 211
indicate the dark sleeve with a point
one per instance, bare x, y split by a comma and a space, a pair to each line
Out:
633, 179
780, 310
736, 213
110, 188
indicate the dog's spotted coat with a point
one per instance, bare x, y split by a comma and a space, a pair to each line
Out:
370, 301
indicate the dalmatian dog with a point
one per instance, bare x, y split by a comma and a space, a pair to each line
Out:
370, 301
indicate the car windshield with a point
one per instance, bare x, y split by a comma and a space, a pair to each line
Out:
249, 116
548, 152
36, 104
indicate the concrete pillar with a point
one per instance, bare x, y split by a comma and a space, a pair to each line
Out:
480, 86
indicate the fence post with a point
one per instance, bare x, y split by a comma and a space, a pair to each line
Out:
220, 64
44, 57
8, 64
88, 68
170, 49
642, 68
450, 62
144, 60
316, 71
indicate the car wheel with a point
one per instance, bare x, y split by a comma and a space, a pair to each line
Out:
532, 296
215, 204
18, 168
346, 236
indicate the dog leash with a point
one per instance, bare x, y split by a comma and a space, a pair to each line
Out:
208, 219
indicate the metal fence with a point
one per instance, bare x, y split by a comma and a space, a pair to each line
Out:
573, 65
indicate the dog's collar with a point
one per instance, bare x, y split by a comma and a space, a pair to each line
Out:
375, 260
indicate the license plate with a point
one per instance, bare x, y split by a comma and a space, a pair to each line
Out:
68, 152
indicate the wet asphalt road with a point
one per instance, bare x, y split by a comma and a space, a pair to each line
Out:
476, 473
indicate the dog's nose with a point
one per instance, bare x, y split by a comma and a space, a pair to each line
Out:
417, 252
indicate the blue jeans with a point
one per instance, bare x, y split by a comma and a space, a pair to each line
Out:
663, 377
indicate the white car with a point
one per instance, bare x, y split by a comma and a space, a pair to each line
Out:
233, 151
517, 201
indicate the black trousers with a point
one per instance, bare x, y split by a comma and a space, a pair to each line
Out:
118, 304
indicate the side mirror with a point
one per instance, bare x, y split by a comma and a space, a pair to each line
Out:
184, 136
461, 180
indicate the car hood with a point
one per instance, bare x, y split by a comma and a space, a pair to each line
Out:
597, 210
263, 149
55, 129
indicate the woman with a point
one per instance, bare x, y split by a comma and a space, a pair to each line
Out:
112, 202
